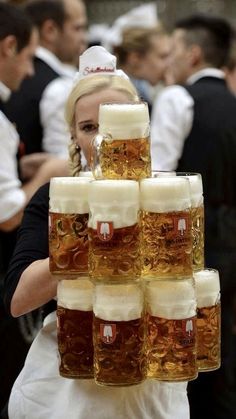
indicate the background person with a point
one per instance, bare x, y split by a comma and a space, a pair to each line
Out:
62, 26
18, 41
194, 130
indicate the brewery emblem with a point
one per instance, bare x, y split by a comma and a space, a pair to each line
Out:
188, 332
108, 333
181, 225
105, 230
189, 327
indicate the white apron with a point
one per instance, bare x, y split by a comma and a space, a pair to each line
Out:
41, 393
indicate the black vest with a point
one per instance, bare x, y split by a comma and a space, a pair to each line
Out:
23, 106
210, 149
7, 240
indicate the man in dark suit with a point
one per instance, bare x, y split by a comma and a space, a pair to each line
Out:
194, 130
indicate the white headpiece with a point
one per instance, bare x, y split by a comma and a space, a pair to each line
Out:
97, 61
144, 16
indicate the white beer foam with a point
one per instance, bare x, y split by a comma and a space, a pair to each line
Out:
207, 284
118, 302
124, 121
86, 174
171, 299
165, 194
69, 195
196, 188
113, 200
162, 173
76, 294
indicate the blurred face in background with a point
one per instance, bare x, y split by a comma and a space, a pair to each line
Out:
153, 64
72, 39
180, 60
18, 64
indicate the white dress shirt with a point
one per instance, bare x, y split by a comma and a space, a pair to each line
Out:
171, 123
12, 198
52, 105
56, 135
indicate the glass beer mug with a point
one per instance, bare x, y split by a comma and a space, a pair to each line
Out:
121, 150
74, 328
197, 215
68, 226
171, 330
114, 230
207, 285
166, 245
119, 335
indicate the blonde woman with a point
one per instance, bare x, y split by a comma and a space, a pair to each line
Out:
40, 392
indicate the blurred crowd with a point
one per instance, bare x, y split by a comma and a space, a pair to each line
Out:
188, 79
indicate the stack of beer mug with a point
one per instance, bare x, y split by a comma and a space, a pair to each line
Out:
125, 248
167, 269
207, 285
68, 260
121, 157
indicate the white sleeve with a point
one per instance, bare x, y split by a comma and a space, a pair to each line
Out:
12, 197
56, 134
171, 122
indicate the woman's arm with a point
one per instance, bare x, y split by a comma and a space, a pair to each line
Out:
35, 288
28, 283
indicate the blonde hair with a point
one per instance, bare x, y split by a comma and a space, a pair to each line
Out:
85, 87
138, 40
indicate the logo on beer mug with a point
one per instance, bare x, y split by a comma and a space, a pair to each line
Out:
181, 225
105, 230
188, 332
108, 333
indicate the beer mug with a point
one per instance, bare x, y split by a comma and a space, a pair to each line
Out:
166, 245
197, 215
171, 330
74, 328
119, 335
207, 285
68, 225
121, 150
114, 230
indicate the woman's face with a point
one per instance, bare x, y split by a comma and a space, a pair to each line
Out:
86, 115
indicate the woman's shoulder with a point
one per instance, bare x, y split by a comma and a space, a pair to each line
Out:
42, 193
39, 203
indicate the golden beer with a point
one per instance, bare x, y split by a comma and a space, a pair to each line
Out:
121, 362
68, 225
119, 335
197, 215
119, 257
207, 285
208, 335
166, 251
166, 245
171, 330
114, 230
122, 148
173, 353
68, 243
125, 159
75, 343
74, 328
